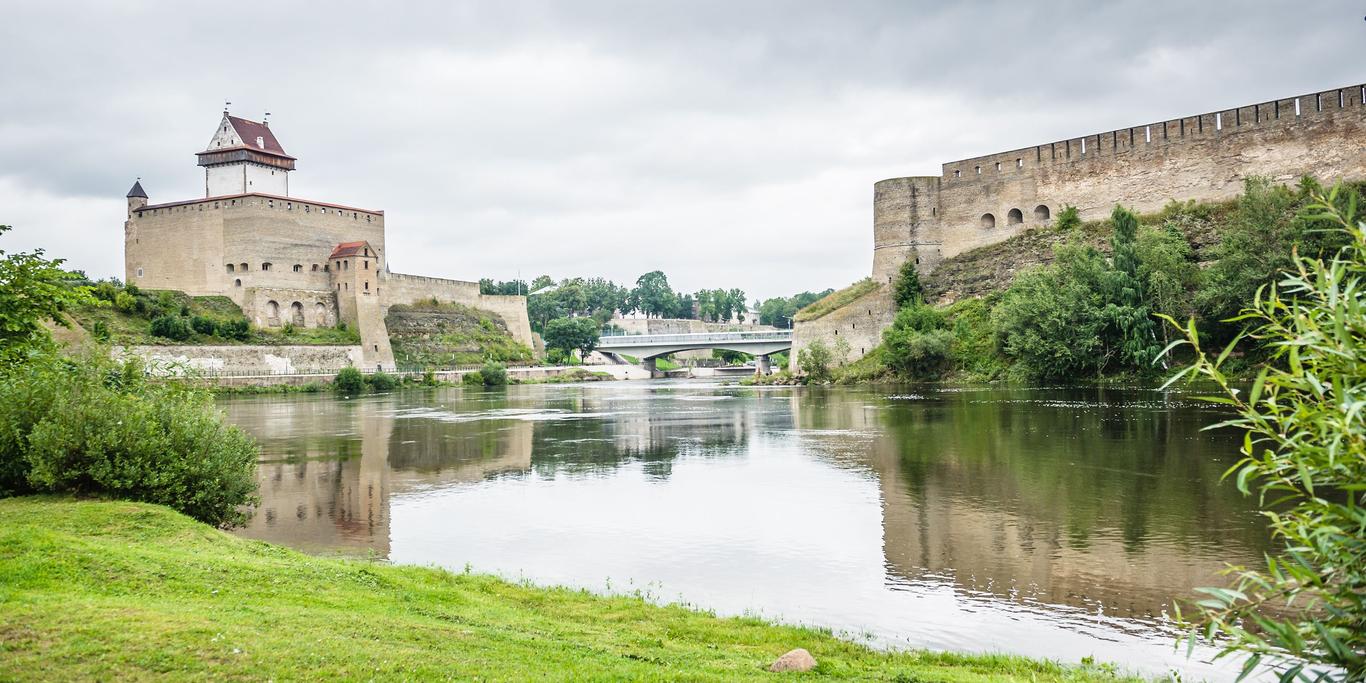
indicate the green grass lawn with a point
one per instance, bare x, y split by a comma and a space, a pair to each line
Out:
94, 590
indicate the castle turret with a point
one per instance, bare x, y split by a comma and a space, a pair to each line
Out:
137, 197
243, 158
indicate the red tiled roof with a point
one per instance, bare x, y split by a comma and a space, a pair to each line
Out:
248, 131
348, 249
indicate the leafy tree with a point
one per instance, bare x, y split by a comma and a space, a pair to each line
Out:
240, 330
1052, 319
1169, 276
814, 360
1128, 306
653, 295
1305, 456
382, 381
917, 345
203, 325
541, 282
572, 334
907, 289
34, 290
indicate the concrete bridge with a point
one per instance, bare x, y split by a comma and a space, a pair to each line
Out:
648, 347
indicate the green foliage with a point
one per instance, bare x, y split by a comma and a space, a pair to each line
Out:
236, 329
572, 334
907, 289
100, 331
779, 311
653, 296
34, 290
917, 345
349, 381
473, 379
450, 335
1304, 455
203, 325
1127, 307
973, 351
381, 381
814, 361
1168, 273
836, 300
1052, 319
172, 327
731, 357
91, 427
125, 302
494, 374
1068, 219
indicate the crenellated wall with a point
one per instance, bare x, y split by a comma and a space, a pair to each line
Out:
984, 200
1203, 157
399, 288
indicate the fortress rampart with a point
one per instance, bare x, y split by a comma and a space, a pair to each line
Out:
984, 200
987, 199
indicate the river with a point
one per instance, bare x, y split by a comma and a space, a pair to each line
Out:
1055, 523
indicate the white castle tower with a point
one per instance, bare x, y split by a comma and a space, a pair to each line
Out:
244, 158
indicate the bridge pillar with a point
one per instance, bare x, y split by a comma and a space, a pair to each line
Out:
763, 365
649, 364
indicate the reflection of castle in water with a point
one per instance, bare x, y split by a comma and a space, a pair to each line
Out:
329, 467
1081, 505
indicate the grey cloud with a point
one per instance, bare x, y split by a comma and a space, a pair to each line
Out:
730, 143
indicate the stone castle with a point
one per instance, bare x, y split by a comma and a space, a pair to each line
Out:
984, 200
282, 259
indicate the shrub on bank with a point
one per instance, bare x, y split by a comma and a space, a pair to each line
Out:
94, 427
494, 374
381, 381
473, 379
349, 381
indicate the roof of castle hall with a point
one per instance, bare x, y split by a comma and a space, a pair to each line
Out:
348, 249
247, 132
137, 190
290, 201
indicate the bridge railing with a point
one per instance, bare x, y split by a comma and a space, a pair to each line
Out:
692, 338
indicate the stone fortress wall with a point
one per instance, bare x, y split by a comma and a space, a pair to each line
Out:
985, 200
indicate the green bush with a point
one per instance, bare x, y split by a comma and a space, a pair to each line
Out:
100, 331
429, 379
91, 427
917, 345
381, 381
349, 381
237, 329
814, 361
908, 289
203, 325
172, 327
1304, 454
494, 374
473, 379
125, 302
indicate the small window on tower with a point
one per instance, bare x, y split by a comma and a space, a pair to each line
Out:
139, 272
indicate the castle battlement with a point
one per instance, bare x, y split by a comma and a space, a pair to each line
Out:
983, 200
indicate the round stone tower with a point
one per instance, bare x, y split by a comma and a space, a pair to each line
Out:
905, 225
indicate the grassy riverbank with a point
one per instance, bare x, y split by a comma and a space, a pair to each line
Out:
115, 591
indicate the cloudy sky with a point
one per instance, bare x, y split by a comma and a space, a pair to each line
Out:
729, 143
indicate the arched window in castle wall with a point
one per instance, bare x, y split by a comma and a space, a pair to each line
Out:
298, 268
1014, 217
1041, 213
319, 314
231, 267
237, 282
988, 220
296, 314
272, 313
265, 266
242, 267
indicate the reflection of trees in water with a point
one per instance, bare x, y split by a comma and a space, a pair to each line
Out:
1084, 497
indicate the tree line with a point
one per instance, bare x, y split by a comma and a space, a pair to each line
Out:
602, 299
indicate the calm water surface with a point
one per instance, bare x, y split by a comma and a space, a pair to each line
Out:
1052, 523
